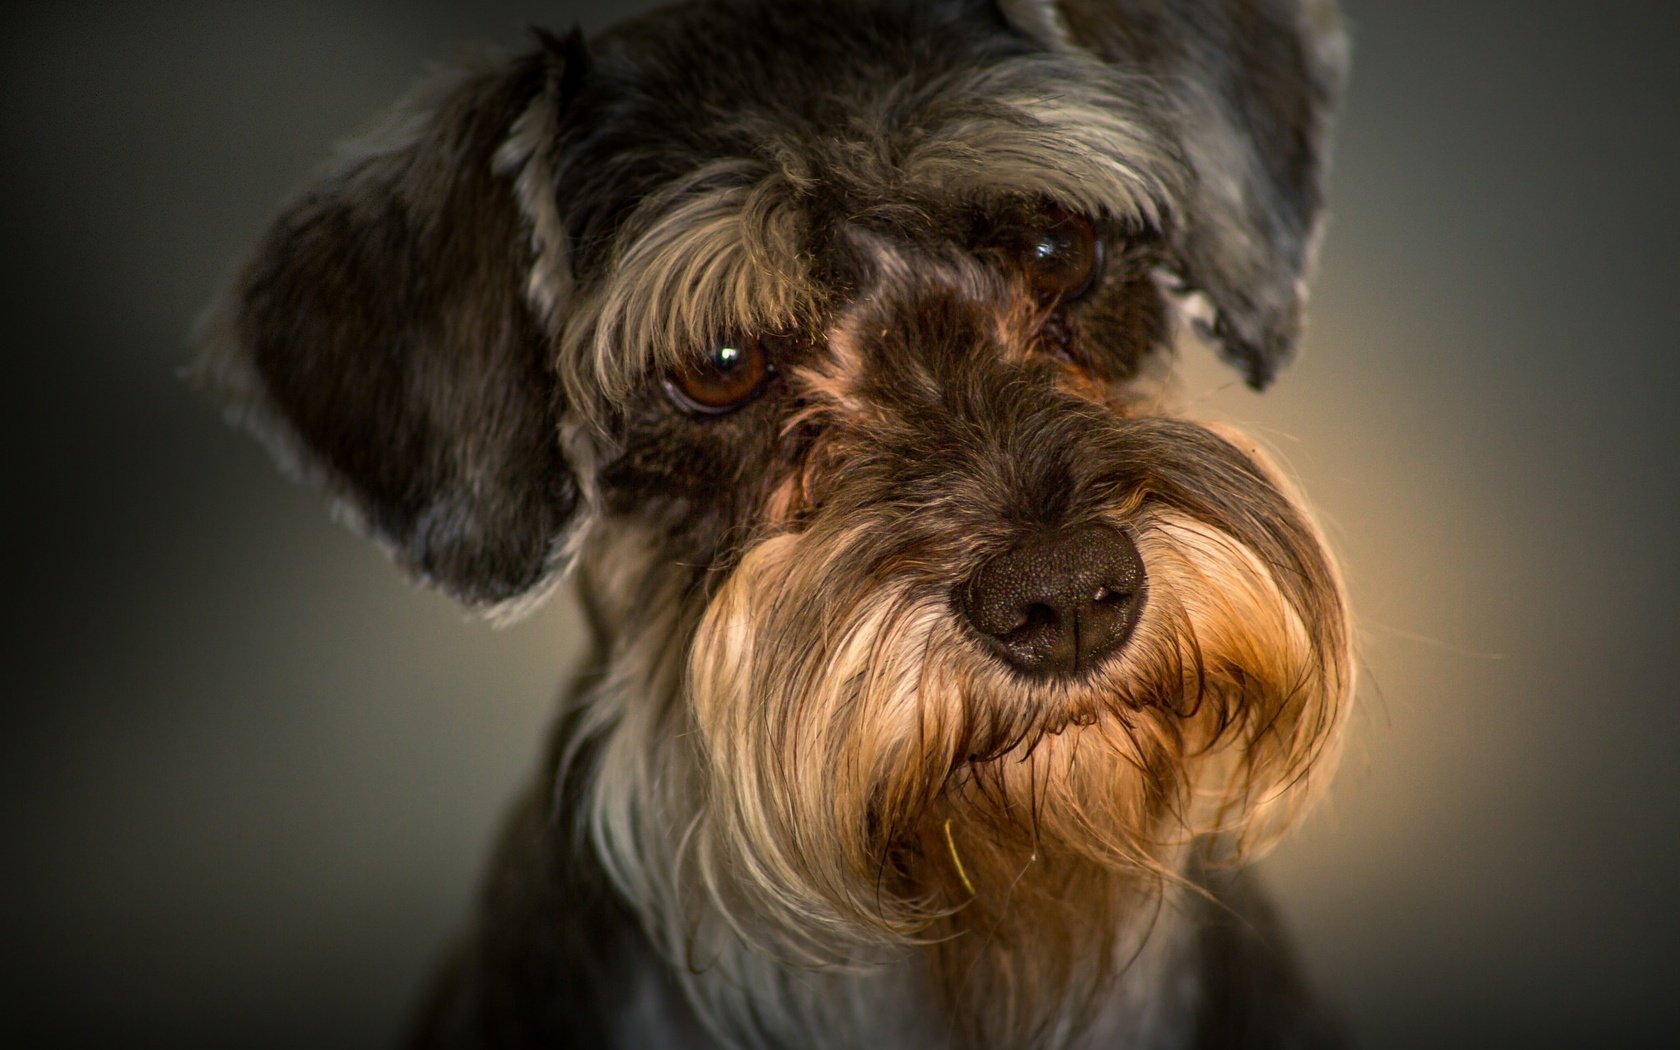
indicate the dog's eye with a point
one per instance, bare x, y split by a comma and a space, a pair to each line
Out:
733, 373
1064, 258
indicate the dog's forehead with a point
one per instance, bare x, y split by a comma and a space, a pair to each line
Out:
699, 81
862, 104
722, 158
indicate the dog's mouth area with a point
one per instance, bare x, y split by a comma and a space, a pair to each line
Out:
1048, 802
1012, 728
1006, 713
868, 759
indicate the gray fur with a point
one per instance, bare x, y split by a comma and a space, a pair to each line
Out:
793, 801
1251, 89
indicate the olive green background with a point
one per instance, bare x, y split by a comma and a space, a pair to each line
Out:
250, 775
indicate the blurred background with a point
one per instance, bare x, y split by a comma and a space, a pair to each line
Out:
251, 775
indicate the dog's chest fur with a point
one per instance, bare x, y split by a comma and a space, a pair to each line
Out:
1213, 972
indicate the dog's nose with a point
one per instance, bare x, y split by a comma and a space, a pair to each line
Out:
1057, 604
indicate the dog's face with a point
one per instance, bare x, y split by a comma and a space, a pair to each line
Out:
826, 340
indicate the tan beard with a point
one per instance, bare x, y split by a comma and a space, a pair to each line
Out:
867, 781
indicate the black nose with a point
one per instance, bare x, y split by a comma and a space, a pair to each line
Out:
1057, 604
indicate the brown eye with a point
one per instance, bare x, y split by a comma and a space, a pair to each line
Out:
1064, 258
730, 375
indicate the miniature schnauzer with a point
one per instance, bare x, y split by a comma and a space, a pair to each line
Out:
943, 679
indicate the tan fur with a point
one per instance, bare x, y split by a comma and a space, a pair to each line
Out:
791, 800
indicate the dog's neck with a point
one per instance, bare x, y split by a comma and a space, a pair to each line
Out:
751, 999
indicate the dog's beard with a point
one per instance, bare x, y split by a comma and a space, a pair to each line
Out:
842, 774
872, 779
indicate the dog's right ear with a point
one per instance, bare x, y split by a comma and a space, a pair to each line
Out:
391, 336
1251, 86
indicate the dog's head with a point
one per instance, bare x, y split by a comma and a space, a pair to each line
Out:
825, 339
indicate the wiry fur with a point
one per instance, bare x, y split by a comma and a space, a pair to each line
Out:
795, 799
840, 744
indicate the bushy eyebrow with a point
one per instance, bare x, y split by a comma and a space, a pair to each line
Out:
726, 247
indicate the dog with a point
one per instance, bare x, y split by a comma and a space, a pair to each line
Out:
943, 678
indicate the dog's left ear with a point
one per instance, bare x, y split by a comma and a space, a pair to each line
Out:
1250, 86
391, 338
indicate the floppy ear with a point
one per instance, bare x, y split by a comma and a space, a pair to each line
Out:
1251, 85
390, 338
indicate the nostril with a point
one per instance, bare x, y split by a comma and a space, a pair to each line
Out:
1036, 617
